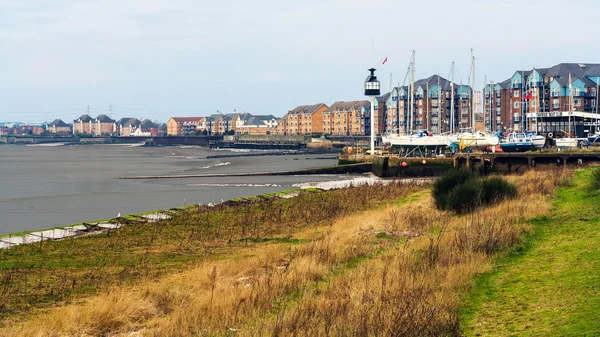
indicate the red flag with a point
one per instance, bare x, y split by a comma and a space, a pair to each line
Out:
384, 61
529, 96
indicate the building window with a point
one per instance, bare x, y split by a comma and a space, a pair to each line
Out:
555, 104
576, 102
516, 94
577, 92
517, 105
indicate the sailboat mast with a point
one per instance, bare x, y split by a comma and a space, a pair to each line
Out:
452, 100
535, 99
570, 102
412, 91
472, 90
596, 109
427, 110
439, 105
522, 105
492, 94
489, 100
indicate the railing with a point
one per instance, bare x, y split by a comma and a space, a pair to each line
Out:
555, 94
516, 86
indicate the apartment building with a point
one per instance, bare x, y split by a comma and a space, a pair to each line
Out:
431, 102
540, 99
57, 126
305, 120
348, 118
99, 126
178, 126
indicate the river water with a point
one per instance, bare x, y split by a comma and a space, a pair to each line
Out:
47, 186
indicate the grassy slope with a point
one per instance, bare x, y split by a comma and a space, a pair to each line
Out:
550, 286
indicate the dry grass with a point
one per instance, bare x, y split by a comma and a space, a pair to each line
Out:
397, 270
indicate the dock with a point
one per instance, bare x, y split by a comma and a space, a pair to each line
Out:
519, 162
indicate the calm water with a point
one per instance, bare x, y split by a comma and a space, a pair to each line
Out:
42, 187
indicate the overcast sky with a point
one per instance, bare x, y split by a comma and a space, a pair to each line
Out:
161, 58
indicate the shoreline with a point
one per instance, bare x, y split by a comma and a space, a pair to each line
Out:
81, 229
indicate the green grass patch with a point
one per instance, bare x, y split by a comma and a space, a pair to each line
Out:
550, 284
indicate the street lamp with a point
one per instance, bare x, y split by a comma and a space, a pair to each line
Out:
372, 90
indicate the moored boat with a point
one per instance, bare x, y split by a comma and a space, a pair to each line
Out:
538, 140
566, 142
594, 138
517, 142
421, 138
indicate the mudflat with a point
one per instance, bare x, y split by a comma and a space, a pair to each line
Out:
47, 186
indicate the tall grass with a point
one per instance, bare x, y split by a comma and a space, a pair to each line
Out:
401, 269
40, 275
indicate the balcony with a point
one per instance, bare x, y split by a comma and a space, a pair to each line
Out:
536, 84
516, 86
555, 94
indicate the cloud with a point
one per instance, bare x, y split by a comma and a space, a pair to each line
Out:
170, 55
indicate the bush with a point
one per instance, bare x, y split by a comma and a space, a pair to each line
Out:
465, 197
496, 189
596, 179
447, 182
462, 191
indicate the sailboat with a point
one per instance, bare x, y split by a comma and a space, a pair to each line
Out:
538, 140
474, 139
419, 138
470, 137
567, 142
414, 138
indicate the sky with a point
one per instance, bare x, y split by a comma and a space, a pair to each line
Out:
162, 58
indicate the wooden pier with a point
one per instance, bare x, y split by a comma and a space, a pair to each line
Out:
519, 162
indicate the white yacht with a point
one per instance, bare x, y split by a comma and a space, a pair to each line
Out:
420, 138
477, 139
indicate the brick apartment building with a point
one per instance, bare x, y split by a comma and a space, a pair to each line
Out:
58, 127
540, 99
432, 98
99, 126
304, 120
348, 118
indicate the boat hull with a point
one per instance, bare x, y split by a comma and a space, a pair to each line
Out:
434, 141
516, 147
475, 141
594, 139
567, 142
538, 141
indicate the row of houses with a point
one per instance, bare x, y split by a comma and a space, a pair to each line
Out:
103, 125
221, 124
